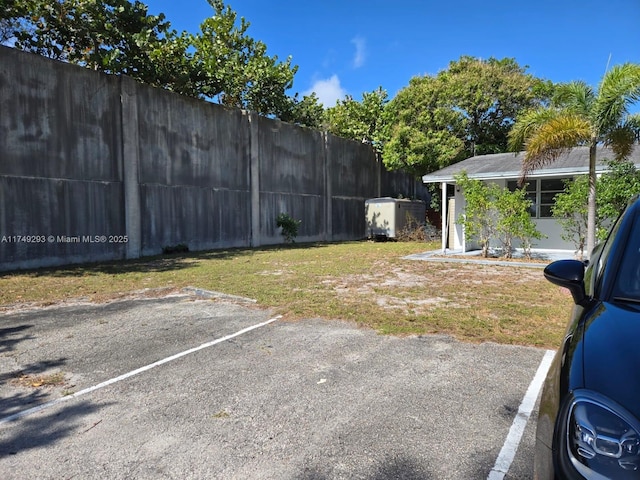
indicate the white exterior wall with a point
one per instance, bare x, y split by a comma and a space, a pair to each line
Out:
452, 231
553, 231
549, 227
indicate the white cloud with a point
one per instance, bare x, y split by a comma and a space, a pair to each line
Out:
328, 91
361, 51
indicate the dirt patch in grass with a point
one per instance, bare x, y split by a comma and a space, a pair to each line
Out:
470, 301
365, 282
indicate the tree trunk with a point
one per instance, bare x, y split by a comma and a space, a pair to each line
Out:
591, 212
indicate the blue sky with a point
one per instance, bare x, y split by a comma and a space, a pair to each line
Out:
353, 46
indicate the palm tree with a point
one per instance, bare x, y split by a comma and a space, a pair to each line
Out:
579, 115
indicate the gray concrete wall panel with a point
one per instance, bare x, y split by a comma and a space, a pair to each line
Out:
201, 218
58, 121
47, 222
307, 208
349, 214
291, 158
183, 141
353, 168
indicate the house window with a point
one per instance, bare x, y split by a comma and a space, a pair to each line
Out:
531, 188
549, 188
542, 194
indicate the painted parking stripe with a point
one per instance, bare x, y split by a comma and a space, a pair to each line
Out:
508, 452
132, 373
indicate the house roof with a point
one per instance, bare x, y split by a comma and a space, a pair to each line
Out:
508, 165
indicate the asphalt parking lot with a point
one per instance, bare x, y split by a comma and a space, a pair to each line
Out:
190, 388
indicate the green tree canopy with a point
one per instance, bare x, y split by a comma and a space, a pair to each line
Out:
235, 69
307, 111
221, 62
358, 120
465, 110
113, 36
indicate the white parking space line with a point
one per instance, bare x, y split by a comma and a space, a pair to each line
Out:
132, 373
508, 452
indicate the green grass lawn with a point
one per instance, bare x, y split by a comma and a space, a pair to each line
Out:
365, 282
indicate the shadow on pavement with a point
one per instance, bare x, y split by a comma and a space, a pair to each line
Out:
399, 467
9, 338
42, 430
392, 467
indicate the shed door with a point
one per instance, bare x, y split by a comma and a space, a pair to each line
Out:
451, 222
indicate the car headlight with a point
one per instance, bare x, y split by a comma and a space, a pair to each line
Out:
603, 439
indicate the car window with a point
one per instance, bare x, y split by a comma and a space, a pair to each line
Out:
627, 282
600, 255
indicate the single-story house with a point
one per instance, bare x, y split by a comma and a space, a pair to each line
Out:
504, 169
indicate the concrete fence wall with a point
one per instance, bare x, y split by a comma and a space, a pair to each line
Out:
96, 167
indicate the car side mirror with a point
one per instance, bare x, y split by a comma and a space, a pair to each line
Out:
570, 275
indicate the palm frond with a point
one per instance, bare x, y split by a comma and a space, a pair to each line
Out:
575, 96
622, 139
620, 88
553, 138
633, 122
526, 125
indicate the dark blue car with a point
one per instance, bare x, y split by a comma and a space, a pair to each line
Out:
589, 420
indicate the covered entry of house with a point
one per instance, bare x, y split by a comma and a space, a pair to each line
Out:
504, 170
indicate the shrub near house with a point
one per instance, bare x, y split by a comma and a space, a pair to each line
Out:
614, 189
496, 213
